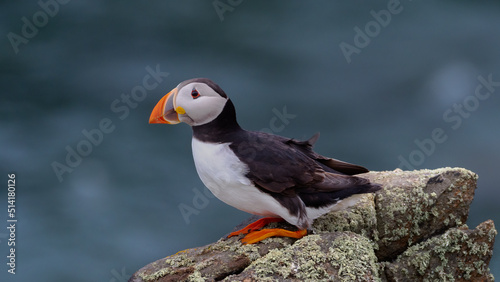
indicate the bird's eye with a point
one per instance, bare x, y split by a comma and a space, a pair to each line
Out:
195, 94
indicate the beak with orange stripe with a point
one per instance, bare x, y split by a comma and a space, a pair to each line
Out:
166, 111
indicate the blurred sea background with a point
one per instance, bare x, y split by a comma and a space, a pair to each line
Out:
118, 208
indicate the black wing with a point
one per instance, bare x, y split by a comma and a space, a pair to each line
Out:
329, 164
289, 169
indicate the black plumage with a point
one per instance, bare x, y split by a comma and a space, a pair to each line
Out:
287, 169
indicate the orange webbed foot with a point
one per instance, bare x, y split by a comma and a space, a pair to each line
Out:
256, 225
260, 235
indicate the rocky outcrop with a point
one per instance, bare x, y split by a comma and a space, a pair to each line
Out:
413, 229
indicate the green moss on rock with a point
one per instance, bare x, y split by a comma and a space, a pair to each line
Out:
411, 230
359, 218
342, 256
354, 258
414, 205
459, 254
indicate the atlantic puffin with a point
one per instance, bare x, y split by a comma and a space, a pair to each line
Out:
259, 173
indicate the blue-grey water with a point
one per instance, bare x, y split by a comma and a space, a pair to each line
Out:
375, 84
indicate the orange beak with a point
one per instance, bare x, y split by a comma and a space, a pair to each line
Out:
164, 111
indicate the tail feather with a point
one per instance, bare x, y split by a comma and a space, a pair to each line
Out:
318, 200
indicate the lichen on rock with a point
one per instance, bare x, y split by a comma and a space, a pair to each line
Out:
412, 229
456, 255
360, 219
415, 205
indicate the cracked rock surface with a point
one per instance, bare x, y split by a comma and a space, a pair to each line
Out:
411, 230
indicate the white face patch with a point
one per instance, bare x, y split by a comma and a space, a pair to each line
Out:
200, 103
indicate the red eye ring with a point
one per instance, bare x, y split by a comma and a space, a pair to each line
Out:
195, 94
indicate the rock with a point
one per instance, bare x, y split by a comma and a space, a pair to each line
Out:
344, 255
414, 206
458, 254
413, 229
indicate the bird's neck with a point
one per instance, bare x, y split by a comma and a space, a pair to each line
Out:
220, 128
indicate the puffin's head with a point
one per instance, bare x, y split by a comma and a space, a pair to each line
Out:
196, 102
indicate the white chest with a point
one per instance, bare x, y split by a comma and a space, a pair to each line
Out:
224, 174
218, 167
